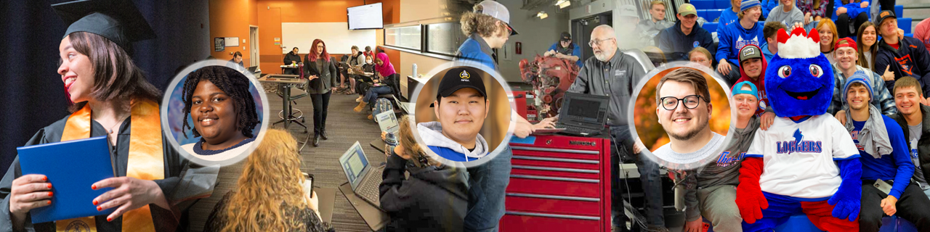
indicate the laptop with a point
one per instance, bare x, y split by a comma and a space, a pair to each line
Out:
364, 178
582, 114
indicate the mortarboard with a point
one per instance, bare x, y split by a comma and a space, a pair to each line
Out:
117, 20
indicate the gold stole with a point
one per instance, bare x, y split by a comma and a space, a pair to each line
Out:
146, 160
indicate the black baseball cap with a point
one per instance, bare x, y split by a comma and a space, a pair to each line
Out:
882, 16
117, 20
460, 78
565, 36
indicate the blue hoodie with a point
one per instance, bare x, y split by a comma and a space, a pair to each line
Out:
767, 6
768, 54
673, 42
734, 37
476, 50
727, 17
853, 9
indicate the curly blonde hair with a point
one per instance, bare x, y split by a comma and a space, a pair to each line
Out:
409, 143
483, 24
270, 180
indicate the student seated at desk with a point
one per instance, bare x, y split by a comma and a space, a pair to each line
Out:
433, 198
218, 100
385, 78
364, 81
271, 194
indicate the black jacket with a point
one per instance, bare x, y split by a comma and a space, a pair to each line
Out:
923, 144
910, 59
291, 57
676, 45
432, 199
328, 76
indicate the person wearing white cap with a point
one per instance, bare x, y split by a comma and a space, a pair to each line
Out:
736, 35
630, 36
488, 27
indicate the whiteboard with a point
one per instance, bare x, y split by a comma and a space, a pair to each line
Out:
337, 36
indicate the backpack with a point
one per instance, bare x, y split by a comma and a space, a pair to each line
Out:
381, 105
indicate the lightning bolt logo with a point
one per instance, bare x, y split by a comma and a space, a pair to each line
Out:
797, 136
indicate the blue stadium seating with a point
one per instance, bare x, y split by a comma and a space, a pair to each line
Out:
712, 14
722, 4
710, 26
904, 24
899, 10
703, 4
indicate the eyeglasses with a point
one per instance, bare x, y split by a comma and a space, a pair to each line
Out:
671, 103
597, 42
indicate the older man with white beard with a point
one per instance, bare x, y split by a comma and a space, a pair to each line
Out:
612, 73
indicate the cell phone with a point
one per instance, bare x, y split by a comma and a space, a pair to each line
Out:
882, 186
309, 178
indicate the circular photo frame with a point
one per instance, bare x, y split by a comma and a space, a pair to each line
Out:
231, 114
497, 126
678, 111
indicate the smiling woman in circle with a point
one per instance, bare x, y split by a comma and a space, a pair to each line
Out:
222, 109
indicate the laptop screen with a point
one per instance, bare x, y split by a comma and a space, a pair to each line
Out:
354, 164
584, 109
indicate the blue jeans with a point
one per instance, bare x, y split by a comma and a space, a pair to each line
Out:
487, 186
372, 95
649, 176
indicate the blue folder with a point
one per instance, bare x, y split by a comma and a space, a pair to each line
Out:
71, 167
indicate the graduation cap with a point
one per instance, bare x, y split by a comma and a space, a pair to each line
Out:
117, 20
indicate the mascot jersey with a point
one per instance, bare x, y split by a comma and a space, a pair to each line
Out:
799, 157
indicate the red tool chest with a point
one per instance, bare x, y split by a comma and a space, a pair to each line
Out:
559, 183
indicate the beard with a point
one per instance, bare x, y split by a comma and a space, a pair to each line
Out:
689, 134
602, 56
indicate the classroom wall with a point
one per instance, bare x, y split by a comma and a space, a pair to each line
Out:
231, 18
536, 35
272, 13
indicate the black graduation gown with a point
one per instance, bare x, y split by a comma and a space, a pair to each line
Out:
174, 163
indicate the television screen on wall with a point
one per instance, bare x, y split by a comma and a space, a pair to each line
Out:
365, 17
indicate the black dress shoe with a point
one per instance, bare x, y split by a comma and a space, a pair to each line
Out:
316, 140
323, 135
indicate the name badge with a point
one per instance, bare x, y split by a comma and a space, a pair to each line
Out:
619, 72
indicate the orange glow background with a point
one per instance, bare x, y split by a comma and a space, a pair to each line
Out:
651, 132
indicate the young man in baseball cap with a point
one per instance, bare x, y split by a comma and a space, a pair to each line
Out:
488, 27
461, 107
565, 49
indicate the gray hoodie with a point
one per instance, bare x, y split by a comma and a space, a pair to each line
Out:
431, 133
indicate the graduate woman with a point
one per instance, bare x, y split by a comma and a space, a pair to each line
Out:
111, 98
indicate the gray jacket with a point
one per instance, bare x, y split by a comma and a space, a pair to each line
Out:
614, 79
328, 74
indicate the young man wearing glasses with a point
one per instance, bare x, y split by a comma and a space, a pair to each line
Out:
684, 109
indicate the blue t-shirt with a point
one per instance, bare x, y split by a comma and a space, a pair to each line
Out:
576, 51
896, 166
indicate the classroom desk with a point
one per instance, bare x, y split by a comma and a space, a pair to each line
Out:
286, 82
299, 67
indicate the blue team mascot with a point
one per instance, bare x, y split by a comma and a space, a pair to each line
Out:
806, 162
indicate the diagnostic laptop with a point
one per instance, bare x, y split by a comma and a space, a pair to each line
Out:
582, 114
364, 178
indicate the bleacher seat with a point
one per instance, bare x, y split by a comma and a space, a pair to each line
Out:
703, 14
904, 24
722, 4
703, 4
710, 26
899, 10
712, 14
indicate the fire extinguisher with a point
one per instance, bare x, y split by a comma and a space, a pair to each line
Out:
519, 48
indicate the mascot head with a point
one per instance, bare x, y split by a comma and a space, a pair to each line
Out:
799, 80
